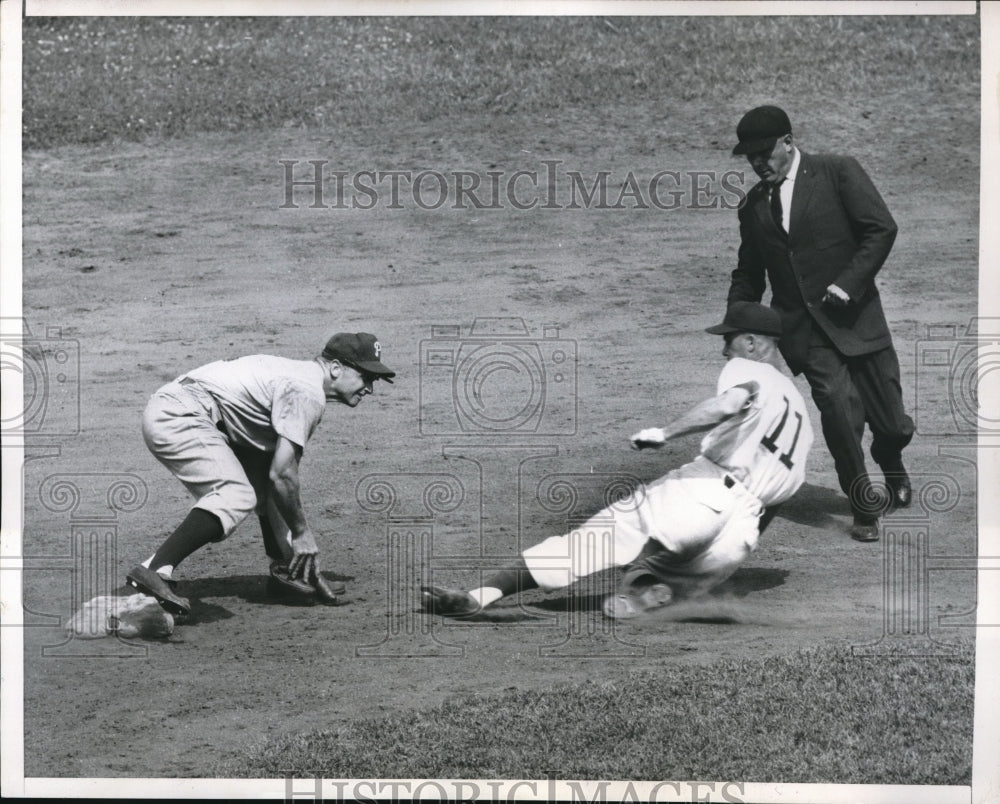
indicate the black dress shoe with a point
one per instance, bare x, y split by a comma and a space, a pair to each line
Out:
899, 484
864, 529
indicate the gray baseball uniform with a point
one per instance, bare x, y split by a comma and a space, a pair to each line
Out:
206, 425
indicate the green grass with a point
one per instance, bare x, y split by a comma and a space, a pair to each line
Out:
818, 716
89, 80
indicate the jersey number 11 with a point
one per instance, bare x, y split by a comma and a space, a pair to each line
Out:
771, 439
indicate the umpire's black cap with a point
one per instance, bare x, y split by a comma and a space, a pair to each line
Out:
760, 128
749, 317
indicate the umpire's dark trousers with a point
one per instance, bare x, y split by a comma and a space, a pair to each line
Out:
849, 391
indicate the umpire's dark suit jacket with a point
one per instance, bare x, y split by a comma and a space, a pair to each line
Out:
840, 232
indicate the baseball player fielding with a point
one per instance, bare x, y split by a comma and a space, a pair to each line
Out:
233, 432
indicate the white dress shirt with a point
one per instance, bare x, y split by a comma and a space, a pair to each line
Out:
788, 187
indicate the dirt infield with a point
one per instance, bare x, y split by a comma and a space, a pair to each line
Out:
157, 258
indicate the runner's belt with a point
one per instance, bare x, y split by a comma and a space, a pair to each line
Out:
766, 515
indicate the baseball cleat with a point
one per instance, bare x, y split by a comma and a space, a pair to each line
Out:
152, 584
636, 602
449, 602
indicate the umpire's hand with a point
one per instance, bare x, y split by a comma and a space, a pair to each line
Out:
836, 296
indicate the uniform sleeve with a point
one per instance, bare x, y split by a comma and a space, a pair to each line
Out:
295, 412
737, 373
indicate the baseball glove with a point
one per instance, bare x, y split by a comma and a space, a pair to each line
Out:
281, 584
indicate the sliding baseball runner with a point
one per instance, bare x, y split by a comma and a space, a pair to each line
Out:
687, 532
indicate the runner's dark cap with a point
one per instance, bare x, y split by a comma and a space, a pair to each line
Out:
749, 317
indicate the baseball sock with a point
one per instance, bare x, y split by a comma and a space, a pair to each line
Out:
198, 529
164, 571
510, 580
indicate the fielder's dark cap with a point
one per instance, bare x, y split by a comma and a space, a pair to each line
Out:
760, 128
360, 350
749, 317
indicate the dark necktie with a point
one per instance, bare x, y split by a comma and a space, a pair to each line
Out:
776, 211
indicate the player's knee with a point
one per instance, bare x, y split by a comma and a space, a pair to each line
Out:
242, 500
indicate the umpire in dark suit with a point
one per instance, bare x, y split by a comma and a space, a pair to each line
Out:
816, 229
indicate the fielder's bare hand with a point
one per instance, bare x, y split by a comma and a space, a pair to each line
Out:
650, 438
305, 563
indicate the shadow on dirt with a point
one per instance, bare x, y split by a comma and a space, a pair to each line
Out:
814, 506
249, 588
203, 613
751, 579
717, 607
499, 614
571, 604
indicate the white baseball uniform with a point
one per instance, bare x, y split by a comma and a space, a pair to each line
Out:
216, 427
703, 518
